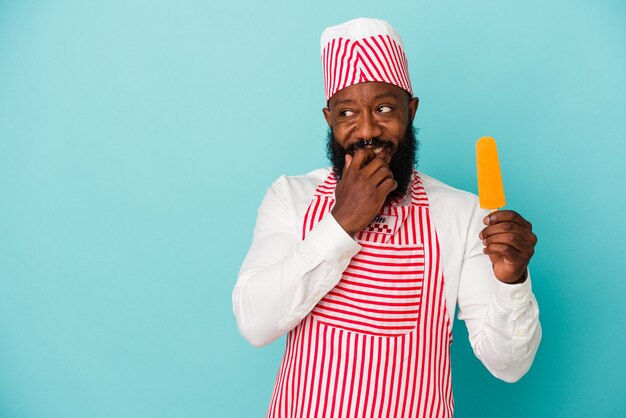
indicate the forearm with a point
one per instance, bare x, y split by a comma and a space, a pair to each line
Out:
505, 336
502, 319
264, 297
283, 278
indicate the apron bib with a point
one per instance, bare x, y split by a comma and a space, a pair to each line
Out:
377, 344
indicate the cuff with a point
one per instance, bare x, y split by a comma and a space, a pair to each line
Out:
336, 248
513, 297
331, 242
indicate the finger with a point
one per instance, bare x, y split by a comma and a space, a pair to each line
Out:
382, 174
509, 227
360, 158
510, 254
506, 270
387, 186
373, 166
512, 240
506, 216
371, 155
384, 155
348, 161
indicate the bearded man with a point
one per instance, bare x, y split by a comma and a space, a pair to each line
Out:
363, 264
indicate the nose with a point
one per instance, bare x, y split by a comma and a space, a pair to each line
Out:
368, 127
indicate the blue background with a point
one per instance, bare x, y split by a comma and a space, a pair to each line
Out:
138, 138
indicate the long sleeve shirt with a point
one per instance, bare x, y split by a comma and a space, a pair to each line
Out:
283, 276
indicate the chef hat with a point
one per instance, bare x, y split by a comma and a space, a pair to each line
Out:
361, 50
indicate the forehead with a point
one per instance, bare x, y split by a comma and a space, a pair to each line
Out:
367, 93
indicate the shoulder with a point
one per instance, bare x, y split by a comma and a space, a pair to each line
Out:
450, 206
457, 217
305, 182
442, 194
297, 191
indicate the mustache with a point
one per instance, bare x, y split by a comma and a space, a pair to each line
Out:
373, 143
403, 157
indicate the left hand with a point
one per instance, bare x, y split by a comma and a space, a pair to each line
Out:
510, 243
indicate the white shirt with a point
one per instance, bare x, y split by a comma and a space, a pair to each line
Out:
283, 277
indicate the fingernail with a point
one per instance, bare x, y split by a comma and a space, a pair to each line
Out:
486, 220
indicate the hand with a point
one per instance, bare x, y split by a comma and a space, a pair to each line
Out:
365, 183
510, 243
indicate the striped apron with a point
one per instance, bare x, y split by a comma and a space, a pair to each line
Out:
378, 344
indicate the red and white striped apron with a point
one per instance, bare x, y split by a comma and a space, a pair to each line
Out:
378, 344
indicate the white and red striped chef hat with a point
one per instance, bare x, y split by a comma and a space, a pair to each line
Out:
361, 50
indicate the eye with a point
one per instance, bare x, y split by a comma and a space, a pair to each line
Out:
383, 109
346, 112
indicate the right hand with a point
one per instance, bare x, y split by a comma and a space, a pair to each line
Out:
365, 183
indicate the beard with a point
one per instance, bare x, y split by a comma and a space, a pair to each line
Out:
402, 163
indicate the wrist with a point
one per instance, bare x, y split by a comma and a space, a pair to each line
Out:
343, 222
521, 279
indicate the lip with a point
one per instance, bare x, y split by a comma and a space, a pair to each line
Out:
377, 150
383, 152
377, 147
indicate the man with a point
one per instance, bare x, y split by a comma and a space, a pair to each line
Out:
362, 265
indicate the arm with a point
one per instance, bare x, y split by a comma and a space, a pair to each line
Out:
502, 319
283, 277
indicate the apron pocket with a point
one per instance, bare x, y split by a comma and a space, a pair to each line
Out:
379, 293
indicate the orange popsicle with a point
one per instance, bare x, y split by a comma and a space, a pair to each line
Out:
490, 188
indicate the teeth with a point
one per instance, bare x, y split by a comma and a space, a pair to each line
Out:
377, 150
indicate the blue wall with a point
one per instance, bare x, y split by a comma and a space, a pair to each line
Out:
138, 138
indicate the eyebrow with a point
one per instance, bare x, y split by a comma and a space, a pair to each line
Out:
377, 97
385, 95
342, 102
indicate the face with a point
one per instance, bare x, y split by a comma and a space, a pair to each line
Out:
377, 116
364, 112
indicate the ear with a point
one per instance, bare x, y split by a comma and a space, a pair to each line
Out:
326, 113
413, 104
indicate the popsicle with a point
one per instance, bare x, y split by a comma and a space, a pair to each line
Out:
490, 188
